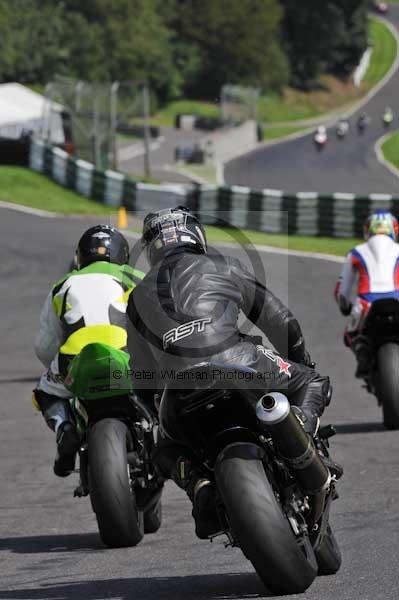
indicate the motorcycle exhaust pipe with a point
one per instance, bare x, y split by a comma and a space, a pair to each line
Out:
276, 416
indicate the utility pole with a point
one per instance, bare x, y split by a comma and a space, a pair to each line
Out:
146, 114
78, 95
114, 123
47, 116
96, 132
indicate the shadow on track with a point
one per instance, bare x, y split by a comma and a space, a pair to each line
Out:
360, 428
223, 586
51, 543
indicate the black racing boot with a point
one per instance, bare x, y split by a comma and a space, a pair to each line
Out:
172, 463
362, 352
363, 366
153, 511
335, 468
58, 416
204, 509
201, 492
68, 442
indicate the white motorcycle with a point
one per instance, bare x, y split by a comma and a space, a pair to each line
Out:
320, 138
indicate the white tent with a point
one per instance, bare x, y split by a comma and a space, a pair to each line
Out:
23, 110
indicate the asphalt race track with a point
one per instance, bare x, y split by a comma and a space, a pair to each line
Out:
348, 165
49, 546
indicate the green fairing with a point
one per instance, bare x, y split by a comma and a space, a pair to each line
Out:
99, 371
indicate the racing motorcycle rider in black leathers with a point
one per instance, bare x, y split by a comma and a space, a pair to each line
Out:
185, 285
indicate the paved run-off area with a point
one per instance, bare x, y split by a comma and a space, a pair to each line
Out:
49, 546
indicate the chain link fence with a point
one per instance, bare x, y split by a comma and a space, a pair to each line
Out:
102, 118
239, 103
130, 120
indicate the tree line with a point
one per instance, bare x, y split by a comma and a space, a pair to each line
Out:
182, 47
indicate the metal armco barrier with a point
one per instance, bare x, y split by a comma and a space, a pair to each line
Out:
271, 211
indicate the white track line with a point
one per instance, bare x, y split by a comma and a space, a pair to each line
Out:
28, 210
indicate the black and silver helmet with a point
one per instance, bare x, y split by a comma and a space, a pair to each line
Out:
169, 229
102, 242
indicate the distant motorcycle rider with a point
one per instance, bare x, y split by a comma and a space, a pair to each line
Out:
387, 116
185, 312
320, 136
363, 122
87, 305
342, 128
374, 267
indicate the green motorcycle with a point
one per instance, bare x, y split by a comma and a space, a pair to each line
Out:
118, 434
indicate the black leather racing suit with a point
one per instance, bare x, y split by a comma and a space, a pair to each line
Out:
185, 312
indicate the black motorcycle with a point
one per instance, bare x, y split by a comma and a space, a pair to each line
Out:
381, 329
272, 489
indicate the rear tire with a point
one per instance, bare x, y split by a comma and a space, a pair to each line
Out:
119, 521
388, 384
259, 524
328, 555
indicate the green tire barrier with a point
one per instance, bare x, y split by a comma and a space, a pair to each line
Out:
271, 211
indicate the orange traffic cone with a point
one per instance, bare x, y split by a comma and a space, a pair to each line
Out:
122, 218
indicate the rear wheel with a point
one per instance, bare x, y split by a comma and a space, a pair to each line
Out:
328, 554
119, 521
388, 384
285, 564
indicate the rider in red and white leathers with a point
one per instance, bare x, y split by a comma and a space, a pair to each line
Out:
374, 267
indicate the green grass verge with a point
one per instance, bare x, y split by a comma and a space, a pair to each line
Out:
292, 106
383, 55
22, 186
272, 133
124, 137
338, 247
390, 149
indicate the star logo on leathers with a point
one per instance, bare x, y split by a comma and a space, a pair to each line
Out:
283, 365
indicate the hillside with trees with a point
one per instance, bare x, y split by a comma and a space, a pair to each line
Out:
182, 47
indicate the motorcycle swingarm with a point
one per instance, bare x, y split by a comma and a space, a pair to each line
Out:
324, 521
